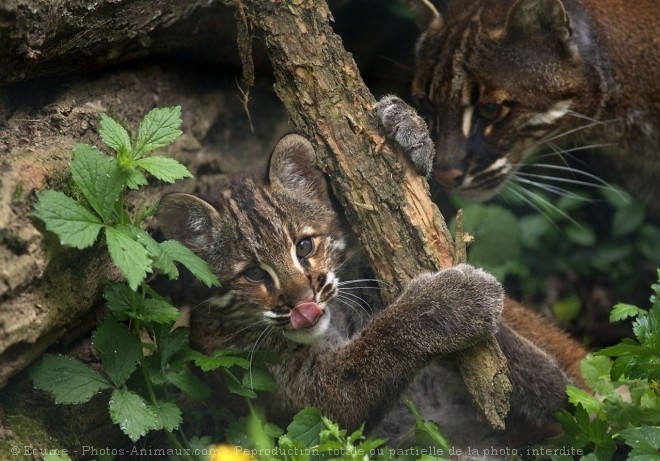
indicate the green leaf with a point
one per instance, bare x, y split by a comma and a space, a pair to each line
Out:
121, 300
134, 178
99, 178
164, 168
115, 135
628, 219
119, 350
159, 128
645, 442
580, 234
427, 433
220, 358
74, 224
62, 457
595, 371
168, 415
134, 417
259, 379
128, 255
579, 396
306, 427
169, 342
196, 265
189, 384
68, 380
161, 260
623, 311
158, 311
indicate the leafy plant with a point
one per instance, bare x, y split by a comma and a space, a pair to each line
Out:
625, 417
141, 319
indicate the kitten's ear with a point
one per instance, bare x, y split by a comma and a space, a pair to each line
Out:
539, 21
293, 166
187, 218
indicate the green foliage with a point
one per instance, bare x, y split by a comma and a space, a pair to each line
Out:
564, 238
141, 319
626, 378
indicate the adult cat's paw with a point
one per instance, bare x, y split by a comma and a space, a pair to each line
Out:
409, 130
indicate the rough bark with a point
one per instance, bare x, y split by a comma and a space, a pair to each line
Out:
46, 291
45, 37
387, 204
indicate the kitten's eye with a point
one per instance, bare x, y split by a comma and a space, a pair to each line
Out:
255, 274
490, 111
304, 247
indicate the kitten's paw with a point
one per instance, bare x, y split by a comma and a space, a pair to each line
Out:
409, 130
473, 297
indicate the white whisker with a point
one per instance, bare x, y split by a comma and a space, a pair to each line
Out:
263, 334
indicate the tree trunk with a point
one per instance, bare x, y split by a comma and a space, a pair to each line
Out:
387, 204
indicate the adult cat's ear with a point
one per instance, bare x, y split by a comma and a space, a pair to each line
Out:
293, 166
426, 15
538, 21
187, 218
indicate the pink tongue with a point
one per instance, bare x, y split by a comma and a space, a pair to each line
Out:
305, 315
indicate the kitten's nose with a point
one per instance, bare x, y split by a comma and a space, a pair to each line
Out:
450, 177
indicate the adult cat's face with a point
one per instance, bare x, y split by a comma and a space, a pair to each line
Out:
498, 80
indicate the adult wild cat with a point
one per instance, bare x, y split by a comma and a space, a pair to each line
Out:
293, 282
498, 80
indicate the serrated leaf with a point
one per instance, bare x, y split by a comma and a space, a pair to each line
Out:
622, 311
306, 427
168, 415
119, 350
595, 371
68, 380
159, 128
98, 177
158, 311
259, 379
169, 342
134, 417
164, 168
190, 384
578, 396
161, 260
645, 442
128, 255
134, 178
121, 300
74, 224
196, 265
114, 135
220, 359
427, 433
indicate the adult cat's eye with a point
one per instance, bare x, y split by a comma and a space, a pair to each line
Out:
490, 111
255, 274
304, 247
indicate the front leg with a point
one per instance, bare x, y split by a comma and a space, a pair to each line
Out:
404, 126
436, 315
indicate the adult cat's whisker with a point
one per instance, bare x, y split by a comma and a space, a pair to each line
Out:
351, 282
535, 201
573, 171
554, 137
520, 174
548, 206
550, 188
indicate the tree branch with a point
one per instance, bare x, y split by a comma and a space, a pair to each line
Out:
386, 202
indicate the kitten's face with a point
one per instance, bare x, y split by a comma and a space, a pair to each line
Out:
275, 246
497, 81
